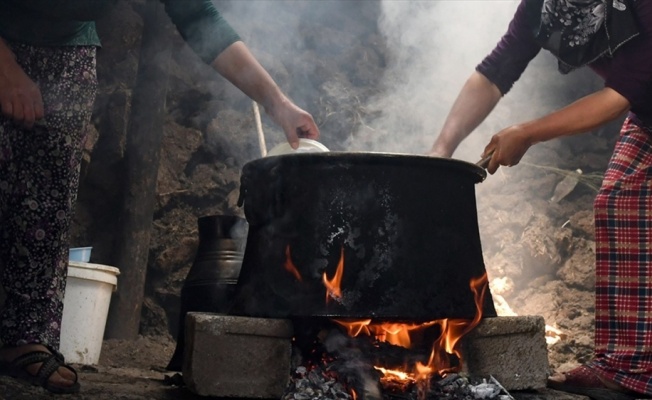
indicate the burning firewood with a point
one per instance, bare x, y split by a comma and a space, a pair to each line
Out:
342, 367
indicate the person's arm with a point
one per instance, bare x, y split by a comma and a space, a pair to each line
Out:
493, 78
508, 146
20, 97
474, 103
241, 68
215, 41
627, 85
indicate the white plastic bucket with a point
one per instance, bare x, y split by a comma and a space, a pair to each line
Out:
85, 308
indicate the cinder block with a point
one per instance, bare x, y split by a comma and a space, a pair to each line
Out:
230, 356
511, 349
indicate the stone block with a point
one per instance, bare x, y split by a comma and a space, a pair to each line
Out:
242, 357
511, 349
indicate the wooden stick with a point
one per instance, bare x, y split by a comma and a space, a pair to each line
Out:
259, 129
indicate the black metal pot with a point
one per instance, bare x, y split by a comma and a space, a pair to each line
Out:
404, 226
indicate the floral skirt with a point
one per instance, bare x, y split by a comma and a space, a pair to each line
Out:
623, 229
39, 176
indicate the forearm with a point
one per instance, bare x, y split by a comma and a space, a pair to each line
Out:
508, 146
581, 116
241, 68
474, 103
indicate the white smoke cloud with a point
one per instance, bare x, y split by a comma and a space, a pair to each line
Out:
255, 19
434, 47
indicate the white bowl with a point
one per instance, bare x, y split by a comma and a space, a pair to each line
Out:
305, 146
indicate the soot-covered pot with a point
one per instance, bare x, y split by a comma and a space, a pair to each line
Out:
373, 235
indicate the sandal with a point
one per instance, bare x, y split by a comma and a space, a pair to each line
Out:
582, 380
51, 362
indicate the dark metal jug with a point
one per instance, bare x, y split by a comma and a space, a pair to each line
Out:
211, 281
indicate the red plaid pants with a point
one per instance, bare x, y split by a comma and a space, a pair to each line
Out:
623, 230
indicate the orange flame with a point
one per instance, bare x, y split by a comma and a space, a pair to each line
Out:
390, 332
333, 288
289, 265
452, 330
394, 375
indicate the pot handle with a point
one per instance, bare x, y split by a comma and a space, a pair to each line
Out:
483, 163
259, 195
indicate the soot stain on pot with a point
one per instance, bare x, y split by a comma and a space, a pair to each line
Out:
343, 208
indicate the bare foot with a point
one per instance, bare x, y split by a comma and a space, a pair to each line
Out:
63, 377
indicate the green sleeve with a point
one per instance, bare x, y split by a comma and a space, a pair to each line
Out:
201, 26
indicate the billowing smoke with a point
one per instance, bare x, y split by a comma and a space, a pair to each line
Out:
431, 46
434, 47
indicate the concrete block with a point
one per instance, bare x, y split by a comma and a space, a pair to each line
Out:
230, 356
511, 349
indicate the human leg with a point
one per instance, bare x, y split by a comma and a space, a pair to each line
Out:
622, 367
39, 172
623, 228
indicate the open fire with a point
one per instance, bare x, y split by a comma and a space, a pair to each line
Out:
443, 348
364, 291
375, 359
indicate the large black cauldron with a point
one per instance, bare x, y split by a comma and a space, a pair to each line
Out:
404, 226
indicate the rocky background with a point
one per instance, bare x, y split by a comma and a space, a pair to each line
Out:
370, 85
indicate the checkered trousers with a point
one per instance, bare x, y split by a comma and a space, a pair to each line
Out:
623, 229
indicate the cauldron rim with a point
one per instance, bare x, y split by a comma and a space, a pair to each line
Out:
478, 173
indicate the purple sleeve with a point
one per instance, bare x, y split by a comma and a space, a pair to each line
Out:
505, 64
630, 70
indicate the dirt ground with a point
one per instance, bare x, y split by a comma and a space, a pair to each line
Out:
131, 370
135, 370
